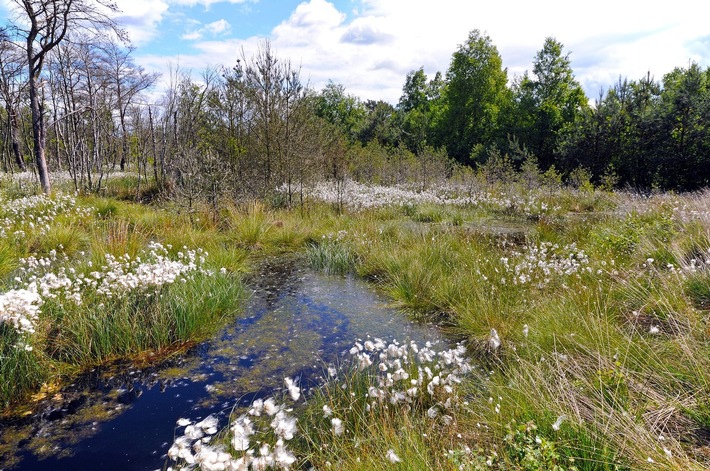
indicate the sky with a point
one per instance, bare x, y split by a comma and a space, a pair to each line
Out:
370, 45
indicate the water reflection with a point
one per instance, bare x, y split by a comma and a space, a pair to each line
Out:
295, 324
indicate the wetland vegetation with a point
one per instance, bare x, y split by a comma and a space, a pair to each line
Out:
583, 317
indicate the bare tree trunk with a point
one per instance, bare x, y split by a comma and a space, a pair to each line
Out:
14, 139
152, 143
38, 134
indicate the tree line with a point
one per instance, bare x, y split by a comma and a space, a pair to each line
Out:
75, 101
639, 134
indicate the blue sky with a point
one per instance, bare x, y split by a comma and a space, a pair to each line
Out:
370, 45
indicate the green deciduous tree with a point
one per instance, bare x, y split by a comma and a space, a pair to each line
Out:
417, 108
380, 124
547, 101
474, 98
415, 93
685, 122
341, 109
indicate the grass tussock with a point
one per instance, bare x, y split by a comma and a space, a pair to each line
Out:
122, 326
105, 286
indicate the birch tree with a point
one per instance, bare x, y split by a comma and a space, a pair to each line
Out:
11, 65
42, 25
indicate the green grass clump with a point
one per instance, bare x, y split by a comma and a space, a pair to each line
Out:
252, 225
21, 369
67, 239
331, 256
8, 259
697, 287
72, 335
106, 329
355, 421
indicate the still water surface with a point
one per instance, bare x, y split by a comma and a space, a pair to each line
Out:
295, 324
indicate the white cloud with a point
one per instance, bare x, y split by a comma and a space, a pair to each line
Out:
371, 49
207, 3
141, 18
218, 27
214, 29
192, 36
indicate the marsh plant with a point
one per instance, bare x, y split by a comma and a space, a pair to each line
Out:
589, 324
332, 254
256, 439
381, 385
62, 309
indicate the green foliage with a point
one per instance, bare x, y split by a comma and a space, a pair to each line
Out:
684, 108
21, 370
547, 102
531, 452
331, 256
609, 179
612, 385
580, 179
697, 287
497, 169
649, 134
418, 107
345, 111
552, 178
530, 175
700, 414
475, 96
380, 124
137, 322
415, 92
622, 238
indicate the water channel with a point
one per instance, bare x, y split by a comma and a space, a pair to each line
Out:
295, 324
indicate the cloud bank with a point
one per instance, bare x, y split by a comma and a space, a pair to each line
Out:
370, 45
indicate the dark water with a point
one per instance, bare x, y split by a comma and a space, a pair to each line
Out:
121, 418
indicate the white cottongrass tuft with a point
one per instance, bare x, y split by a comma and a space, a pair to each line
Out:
147, 273
20, 308
493, 340
337, 426
558, 422
284, 426
181, 422
270, 406
362, 196
260, 435
538, 264
293, 390
242, 430
392, 456
248, 434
